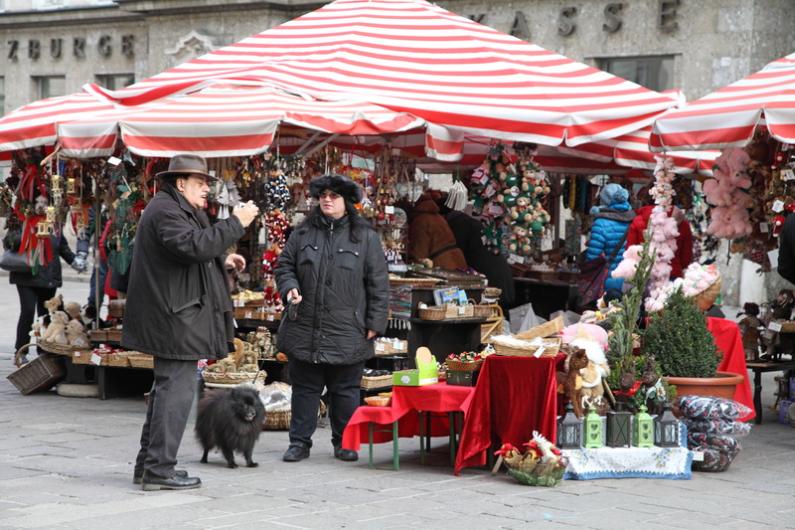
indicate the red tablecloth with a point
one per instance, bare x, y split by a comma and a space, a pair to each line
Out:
406, 402
514, 396
729, 341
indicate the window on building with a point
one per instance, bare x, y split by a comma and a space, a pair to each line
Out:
49, 86
652, 72
115, 81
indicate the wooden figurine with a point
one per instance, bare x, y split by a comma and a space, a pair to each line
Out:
573, 384
749, 327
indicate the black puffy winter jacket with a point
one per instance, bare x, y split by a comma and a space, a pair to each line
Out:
345, 290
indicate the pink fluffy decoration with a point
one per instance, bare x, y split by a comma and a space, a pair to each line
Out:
664, 231
727, 193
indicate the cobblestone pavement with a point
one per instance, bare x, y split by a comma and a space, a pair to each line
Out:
67, 463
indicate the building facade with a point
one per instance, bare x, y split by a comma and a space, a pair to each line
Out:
53, 47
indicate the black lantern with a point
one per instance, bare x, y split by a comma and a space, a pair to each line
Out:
667, 428
619, 426
569, 430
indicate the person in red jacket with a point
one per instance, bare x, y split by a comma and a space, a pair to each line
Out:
684, 242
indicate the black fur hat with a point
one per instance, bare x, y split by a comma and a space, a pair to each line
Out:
339, 184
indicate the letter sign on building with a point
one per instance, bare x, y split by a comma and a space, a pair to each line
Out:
79, 47
520, 28
128, 46
103, 46
56, 48
612, 17
478, 18
34, 49
667, 19
13, 50
566, 24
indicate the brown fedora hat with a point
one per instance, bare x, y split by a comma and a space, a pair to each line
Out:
184, 165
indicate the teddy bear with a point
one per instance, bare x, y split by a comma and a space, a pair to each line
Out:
54, 304
73, 310
76, 334
572, 384
56, 331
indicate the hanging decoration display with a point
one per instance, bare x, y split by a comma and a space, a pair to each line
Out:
664, 231
727, 192
509, 196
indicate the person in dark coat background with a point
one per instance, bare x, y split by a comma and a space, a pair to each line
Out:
430, 237
178, 308
611, 222
468, 233
333, 274
786, 250
684, 241
35, 289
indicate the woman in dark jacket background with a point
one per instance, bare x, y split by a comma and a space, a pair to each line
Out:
35, 289
333, 275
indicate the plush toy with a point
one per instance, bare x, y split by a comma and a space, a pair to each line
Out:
73, 310
749, 327
76, 334
573, 383
56, 331
54, 304
727, 193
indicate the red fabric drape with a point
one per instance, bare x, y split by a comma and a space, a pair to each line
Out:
406, 401
514, 396
729, 341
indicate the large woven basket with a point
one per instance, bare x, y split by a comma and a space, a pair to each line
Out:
447, 312
706, 298
39, 374
57, 349
232, 378
551, 348
379, 381
277, 420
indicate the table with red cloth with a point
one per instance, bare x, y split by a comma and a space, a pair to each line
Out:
514, 396
407, 402
729, 341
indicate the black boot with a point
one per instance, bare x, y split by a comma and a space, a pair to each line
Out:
296, 453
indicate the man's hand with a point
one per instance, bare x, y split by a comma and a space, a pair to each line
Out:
371, 334
246, 213
235, 261
294, 297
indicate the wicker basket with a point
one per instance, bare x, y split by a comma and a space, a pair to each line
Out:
380, 381
141, 360
788, 326
378, 401
706, 298
39, 374
58, 349
454, 365
97, 335
544, 474
388, 348
116, 308
551, 348
113, 335
82, 357
447, 312
277, 420
117, 359
232, 378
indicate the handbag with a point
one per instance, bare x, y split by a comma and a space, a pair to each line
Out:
13, 261
593, 274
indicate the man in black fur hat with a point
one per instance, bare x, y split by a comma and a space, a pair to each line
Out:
333, 274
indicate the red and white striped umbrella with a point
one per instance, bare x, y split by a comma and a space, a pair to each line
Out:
729, 116
463, 78
227, 120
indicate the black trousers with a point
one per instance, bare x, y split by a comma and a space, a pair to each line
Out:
169, 406
31, 303
308, 379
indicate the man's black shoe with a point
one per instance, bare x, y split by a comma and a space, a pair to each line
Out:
139, 475
346, 455
296, 453
154, 483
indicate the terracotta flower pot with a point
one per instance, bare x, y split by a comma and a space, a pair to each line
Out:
722, 385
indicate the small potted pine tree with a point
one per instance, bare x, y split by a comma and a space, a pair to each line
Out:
685, 350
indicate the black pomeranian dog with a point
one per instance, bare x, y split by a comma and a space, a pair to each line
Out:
232, 421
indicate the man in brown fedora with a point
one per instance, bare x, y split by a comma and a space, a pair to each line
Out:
178, 308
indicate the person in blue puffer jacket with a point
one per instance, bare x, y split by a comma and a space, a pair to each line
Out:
611, 221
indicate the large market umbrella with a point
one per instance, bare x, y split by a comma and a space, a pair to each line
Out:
729, 116
461, 77
227, 120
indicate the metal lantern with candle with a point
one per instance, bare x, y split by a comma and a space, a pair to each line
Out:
618, 427
570, 430
643, 429
668, 428
594, 430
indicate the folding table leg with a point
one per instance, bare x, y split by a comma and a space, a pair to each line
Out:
395, 450
422, 436
370, 429
453, 421
428, 431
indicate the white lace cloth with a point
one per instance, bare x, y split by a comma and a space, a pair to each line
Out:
629, 462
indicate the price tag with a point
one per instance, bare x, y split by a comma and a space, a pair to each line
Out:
787, 174
96, 359
270, 317
778, 206
248, 314
113, 161
379, 346
698, 456
539, 352
763, 228
389, 210
489, 191
774, 326
461, 310
239, 302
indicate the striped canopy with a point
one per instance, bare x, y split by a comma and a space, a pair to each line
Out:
729, 116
